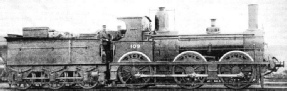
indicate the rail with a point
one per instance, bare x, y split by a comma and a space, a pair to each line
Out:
186, 63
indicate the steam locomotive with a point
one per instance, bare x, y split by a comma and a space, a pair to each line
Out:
140, 58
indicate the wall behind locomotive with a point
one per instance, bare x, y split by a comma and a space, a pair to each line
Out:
191, 16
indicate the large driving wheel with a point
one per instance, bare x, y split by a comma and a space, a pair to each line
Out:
248, 70
126, 73
190, 82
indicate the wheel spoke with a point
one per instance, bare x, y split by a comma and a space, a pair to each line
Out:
127, 78
141, 67
196, 67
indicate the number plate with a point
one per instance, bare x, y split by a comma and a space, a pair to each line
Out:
135, 46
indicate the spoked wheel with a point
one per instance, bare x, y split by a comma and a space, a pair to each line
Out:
190, 82
126, 73
91, 82
32, 75
42, 78
126, 76
25, 84
74, 82
57, 84
237, 82
45, 79
248, 70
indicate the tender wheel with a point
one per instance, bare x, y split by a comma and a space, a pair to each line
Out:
190, 82
42, 78
126, 76
57, 84
126, 73
75, 74
45, 79
91, 82
25, 84
248, 70
30, 76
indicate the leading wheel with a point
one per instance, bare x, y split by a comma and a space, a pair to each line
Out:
190, 82
248, 70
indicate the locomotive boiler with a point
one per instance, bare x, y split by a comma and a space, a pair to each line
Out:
141, 57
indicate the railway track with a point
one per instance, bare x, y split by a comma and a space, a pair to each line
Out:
269, 86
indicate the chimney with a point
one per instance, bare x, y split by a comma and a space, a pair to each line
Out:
252, 17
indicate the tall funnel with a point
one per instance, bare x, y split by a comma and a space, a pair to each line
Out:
252, 17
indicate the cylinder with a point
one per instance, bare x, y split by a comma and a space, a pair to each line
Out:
161, 20
252, 16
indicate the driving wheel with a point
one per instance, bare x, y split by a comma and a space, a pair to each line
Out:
126, 73
190, 82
